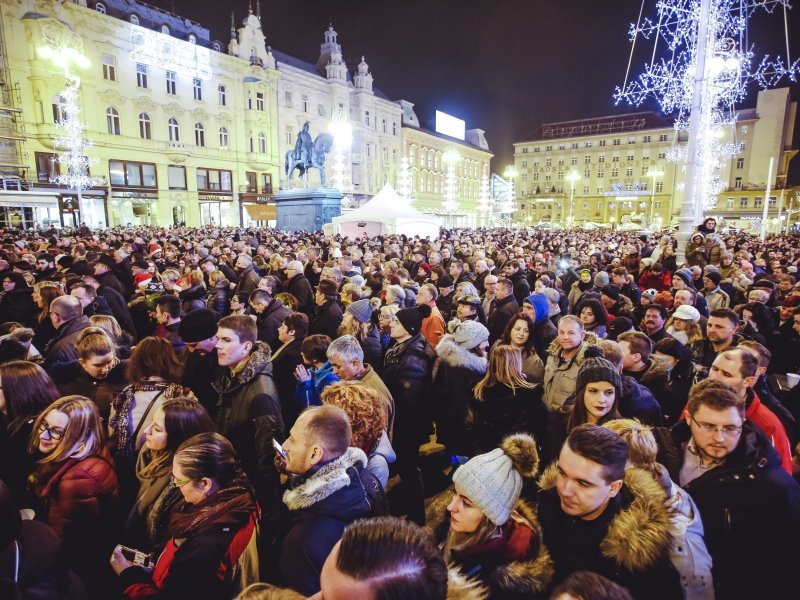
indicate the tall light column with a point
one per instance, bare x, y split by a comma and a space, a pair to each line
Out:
510, 202
572, 177
342, 133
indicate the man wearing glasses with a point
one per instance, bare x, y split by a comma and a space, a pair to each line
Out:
749, 505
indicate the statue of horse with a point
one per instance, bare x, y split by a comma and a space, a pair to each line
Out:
322, 146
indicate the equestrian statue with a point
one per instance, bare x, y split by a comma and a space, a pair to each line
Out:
308, 155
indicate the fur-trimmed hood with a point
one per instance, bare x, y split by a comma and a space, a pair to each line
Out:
590, 339
460, 587
455, 355
639, 535
324, 482
260, 363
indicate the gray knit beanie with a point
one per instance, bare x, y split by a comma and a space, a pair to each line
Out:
470, 334
361, 310
601, 279
493, 481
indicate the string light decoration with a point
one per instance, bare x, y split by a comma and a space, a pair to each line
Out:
73, 146
405, 182
485, 204
706, 67
450, 204
342, 133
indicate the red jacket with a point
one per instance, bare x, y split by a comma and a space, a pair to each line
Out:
75, 491
657, 281
767, 422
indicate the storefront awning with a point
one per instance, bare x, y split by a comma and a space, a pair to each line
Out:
262, 212
22, 200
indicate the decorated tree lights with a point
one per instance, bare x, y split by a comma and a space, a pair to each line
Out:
342, 133
405, 183
450, 204
706, 69
485, 204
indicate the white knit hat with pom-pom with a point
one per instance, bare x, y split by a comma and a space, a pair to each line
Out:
493, 481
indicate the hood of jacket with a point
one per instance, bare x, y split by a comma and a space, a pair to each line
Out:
540, 305
640, 533
460, 587
657, 368
590, 339
455, 355
326, 481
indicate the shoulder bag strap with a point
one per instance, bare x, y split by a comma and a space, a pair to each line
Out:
135, 435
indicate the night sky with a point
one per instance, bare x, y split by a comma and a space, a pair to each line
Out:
505, 66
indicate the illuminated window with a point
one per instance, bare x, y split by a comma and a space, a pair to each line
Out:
112, 120
171, 77
141, 75
109, 67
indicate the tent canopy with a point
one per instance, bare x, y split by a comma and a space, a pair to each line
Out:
387, 213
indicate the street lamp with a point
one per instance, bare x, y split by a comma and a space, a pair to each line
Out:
653, 173
572, 177
450, 158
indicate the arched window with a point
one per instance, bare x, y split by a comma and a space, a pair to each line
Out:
422, 157
192, 38
134, 19
174, 130
165, 29
144, 126
199, 134
217, 47
262, 143
112, 120
100, 7
224, 138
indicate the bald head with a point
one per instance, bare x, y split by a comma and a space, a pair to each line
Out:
66, 308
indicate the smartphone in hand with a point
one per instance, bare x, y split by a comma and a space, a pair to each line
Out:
279, 449
137, 557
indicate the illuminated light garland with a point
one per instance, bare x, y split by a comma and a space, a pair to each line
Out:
485, 203
405, 183
73, 144
450, 204
729, 70
342, 133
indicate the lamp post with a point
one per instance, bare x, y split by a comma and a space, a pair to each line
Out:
450, 204
653, 173
572, 177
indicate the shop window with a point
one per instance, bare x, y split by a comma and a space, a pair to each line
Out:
266, 183
47, 167
252, 186
132, 174
176, 177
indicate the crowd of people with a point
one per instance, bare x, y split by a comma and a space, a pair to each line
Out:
495, 413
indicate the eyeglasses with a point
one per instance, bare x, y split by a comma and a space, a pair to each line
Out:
728, 430
54, 433
178, 482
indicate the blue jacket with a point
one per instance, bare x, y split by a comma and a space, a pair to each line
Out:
544, 332
309, 393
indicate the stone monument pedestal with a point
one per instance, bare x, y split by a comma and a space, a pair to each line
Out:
307, 209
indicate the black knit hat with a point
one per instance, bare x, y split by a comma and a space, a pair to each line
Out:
198, 325
411, 318
327, 287
107, 260
596, 368
714, 276
611, 291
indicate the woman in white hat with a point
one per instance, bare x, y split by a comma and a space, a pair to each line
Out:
493, 535
683, 325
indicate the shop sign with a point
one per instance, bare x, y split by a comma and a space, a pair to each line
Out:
136, 195
213, 198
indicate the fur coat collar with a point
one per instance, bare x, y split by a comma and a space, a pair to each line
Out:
455, 355
325, 481
554, 349
640, 533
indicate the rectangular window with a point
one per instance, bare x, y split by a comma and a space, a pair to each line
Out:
548, 162
646, 139
58, 113
367, 118
573, 160
252, 178
737, 183
289, 136
171, 78
222, 95
587, 173
287, 98
548, 148
260, 101
109, 67
772, 201
385, 154
758, 202
659, 187
47, 167
601, 159
587, 160
141, 75
394, 128
305, 104
266, 183
213, 180
616, 141
574, 145
631, 157
662, 155
197, 88
740, 163
176, 177
524, 164
657, 204
663, 137
602, 142
730, 203
132, 174
383, 125
743, 202
601, 174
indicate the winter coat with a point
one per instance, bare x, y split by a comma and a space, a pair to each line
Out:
750, 509
200, 371
17, 305
268, 322
379, 459
703, 353
370, 379
515, 566
696, 253
457, 373
407, 373
61, 348
433, 328
309, 393
109, 280
218, 297
119, 308
371, 347
283, 365
716, 299
544, 332
560, 378
299, 287
99, 306
248, 413
532, 367
576, 291
44, 333
521, 287
649, 279
628, 543
72, 379
247, 281
193, 298
326, 320
498, 319
172, 335
670, 389
638, 402
17, 463
320, 505
503, 411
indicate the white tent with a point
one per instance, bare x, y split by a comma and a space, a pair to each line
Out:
386, 213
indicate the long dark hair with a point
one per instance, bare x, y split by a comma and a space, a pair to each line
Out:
528, 348
27, 389
579, 416
683, 371
761, 316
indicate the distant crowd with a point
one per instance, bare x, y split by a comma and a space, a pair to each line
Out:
224, 413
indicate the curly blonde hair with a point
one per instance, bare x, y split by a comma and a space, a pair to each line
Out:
364, 410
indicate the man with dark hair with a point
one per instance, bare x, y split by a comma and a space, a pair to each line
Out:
655, 316
92, 303
329, 488
458, 273
168, 319
628, 288
447, 292
504, 307
749, 505
636, 400
270, 313
720, 335
598, 516
248, 411
198, 330
104, 273
45, 267
515, 272
385, 557
328, 314
739, 368
115, 301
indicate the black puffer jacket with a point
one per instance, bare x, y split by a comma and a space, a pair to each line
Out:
193, 298
299, 287
638, 402
373, 352
326, 320
522, 288
504, 311
269, 321
17, 305
217, 298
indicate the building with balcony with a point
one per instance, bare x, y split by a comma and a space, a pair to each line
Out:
615, 170
427, 153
